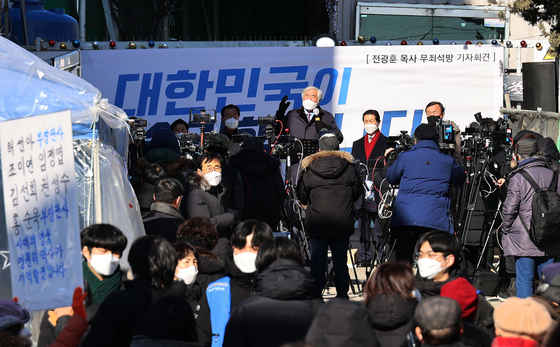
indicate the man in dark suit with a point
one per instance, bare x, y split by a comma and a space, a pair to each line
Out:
370, 151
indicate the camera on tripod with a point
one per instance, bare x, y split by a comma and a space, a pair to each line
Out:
401, 143
487, 135
445, 134
189, 144
137, 128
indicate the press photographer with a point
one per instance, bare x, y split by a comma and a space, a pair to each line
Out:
424, 175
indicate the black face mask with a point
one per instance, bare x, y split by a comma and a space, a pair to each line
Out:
433, 120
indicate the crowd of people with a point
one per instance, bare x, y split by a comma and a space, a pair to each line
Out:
211, 272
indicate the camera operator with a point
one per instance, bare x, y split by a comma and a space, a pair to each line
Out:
434, 112
423, 174
369, 150
329, 186
179, 126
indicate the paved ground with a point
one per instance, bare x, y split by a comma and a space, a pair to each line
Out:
358, 277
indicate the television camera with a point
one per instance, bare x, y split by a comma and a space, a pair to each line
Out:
401, 143
137, 128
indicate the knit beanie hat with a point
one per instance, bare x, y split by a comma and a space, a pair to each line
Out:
328, 142
425, 132
522, 317
12, 313
465, 294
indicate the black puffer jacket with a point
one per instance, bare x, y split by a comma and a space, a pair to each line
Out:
202, 200
263, 186
241, 287
392, 318
484, 312
280, 312
342, 323
329, 186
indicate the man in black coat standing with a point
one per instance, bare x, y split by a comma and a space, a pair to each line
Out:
329, 186
310, 121
369, 150
165, 218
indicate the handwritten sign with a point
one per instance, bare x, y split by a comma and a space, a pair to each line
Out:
41, 209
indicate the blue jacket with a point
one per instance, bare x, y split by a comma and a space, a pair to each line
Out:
424, 174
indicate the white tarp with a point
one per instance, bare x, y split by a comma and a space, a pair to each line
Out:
398, 81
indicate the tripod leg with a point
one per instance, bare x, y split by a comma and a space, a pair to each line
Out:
355, 272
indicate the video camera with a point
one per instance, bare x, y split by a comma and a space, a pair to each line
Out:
401, 143
137, 128
202, 116
488, 135
445, 134
190, 144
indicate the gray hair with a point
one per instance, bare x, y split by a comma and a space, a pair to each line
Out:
319, 92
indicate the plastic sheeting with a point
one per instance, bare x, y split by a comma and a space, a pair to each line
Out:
119, 205
31, 87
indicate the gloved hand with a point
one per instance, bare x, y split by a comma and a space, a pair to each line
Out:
78, 302
322, 127
282, 107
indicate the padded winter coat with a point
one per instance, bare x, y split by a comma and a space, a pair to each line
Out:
424, 174
518, 204
280, 312
329, 186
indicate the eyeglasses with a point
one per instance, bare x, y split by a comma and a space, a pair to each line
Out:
209, 169
430, 254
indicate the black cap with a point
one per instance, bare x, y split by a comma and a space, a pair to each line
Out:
253, 142
179, 121
425, 132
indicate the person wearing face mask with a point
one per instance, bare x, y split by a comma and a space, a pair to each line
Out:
102, 248
223, 295
165, 217
230, 121
179, 126
434, 112
281, 310
186, 272
370, 151
310, 121
205, 197
439, 263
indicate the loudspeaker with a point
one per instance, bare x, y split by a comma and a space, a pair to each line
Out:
540, 86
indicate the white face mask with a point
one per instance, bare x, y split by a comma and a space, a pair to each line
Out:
214, 178
309, 105
231, 123
370, 128
246, 262
188, 274
104, 264
429, 268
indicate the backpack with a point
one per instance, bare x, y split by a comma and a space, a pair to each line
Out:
545, 219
